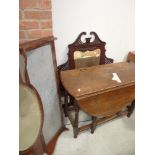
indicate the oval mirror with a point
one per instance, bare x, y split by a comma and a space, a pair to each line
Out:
30, 117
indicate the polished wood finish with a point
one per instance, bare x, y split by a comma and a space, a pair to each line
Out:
113, 101
97, 94
97, 79
26, 47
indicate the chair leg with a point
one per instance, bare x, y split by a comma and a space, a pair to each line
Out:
75, 126
131, 108
93, 125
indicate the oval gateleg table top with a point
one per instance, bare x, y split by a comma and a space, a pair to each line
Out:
95, 90
30, 117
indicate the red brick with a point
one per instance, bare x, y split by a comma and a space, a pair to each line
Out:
21, 14
46, 33
35, 4
25, 25
37, 14
46, 24
28, 4
44, 4
34, 34
22, 35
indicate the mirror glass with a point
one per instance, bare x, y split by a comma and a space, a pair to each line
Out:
86, 58
41, 73
30, 117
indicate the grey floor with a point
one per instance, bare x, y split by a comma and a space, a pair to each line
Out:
113, 138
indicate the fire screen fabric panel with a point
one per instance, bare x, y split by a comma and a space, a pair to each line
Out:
42, 76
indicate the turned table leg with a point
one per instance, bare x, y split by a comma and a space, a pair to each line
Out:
75, 126
66, 104
93, 125
131, 108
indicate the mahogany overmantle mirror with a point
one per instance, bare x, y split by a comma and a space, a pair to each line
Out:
42, 73
89, 52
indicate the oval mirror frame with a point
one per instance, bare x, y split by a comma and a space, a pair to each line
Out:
35, 144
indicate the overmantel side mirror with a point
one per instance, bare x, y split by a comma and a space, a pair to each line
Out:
41, 68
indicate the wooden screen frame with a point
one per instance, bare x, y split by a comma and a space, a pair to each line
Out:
27, 47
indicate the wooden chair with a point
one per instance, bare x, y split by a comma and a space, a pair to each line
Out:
82, 54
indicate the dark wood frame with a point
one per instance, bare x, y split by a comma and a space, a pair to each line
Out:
27, 80
28, 46
84, 46
78, 45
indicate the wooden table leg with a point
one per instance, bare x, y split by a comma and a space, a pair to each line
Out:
131, 108
93, 125
66, 104
75, 126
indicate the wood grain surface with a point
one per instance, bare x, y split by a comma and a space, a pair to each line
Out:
85, 82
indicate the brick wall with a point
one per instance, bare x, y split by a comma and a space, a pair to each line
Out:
35, 19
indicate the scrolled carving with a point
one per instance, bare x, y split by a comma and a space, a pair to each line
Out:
96, 39
78, 41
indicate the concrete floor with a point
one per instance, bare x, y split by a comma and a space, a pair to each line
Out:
113, 138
